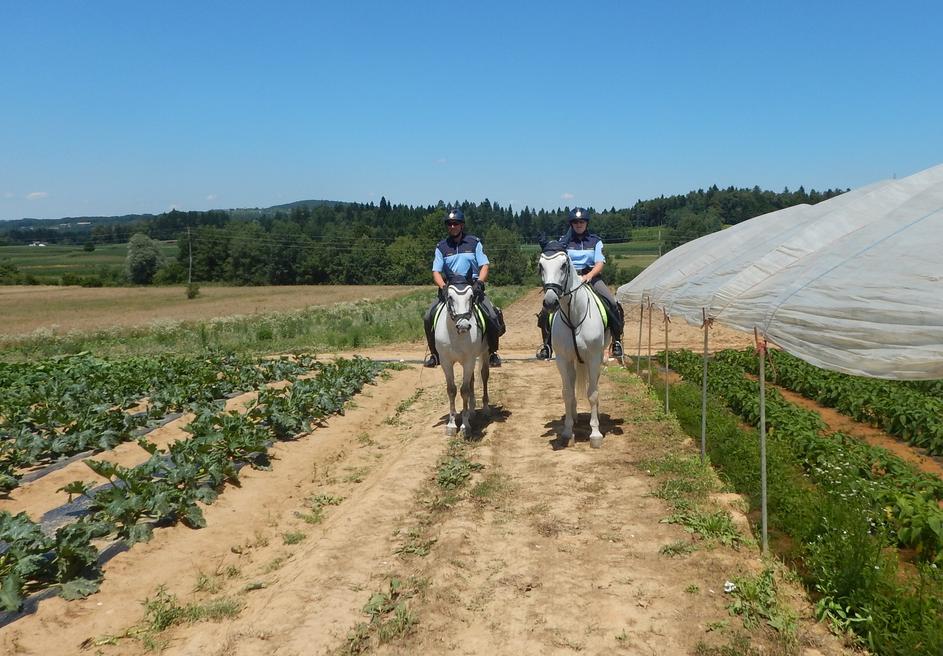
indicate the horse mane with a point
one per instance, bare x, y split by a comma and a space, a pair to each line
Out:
552, 247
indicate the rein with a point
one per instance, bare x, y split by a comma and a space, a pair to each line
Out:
464, 315
561, 294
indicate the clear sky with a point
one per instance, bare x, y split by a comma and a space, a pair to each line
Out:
113, 107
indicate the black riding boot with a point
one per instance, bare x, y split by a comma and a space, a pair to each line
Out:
543, 322
433, 359
617, 325
494, 360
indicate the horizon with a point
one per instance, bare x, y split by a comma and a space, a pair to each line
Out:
115, 109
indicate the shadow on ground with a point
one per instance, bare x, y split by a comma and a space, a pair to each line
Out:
480, 421
608, 426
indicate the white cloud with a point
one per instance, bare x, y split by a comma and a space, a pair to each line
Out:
211, 197
567, 196
442, 160
36, 195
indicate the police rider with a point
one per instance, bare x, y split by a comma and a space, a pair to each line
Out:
456, 255
585, 251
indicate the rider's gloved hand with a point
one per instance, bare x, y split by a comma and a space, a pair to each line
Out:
478, 287
443, 294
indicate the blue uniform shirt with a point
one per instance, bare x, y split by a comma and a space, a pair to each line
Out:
585, 251
459, 257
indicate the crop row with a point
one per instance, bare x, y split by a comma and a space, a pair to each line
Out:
911, 411
169, 486
894, 495
72, 404
859, 584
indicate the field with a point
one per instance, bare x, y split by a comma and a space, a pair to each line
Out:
52, 261
61, 310
370, 531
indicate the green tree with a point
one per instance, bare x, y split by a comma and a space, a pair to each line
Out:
249, 254
144, 258
409, 264
509, 266
688, 225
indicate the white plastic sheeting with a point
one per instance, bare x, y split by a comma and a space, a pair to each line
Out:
853, 284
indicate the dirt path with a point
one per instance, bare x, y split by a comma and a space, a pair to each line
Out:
542, 551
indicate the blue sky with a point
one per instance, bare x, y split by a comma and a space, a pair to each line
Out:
123, 107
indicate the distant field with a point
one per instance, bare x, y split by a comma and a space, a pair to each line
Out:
60, 310
52, 260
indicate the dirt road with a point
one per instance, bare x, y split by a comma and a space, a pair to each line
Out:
354, 542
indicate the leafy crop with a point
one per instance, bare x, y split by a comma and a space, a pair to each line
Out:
170, 485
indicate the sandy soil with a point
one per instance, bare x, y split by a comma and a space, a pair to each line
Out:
65, 309
557, 552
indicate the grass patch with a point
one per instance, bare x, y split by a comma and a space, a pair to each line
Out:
717, 525
402, 407
316, 504
492, 487
390, 616
293, 537
677, 548
164, 610
415, 545
455, 468
756, 601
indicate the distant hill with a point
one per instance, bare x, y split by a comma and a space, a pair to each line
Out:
82, 223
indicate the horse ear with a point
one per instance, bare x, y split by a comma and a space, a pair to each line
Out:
542, 240
468, 276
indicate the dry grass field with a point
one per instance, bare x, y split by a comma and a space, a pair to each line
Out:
60, 310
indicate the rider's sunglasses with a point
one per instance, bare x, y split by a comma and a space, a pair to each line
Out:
578, 221
453, 223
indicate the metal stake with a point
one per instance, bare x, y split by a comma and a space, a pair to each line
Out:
761, 353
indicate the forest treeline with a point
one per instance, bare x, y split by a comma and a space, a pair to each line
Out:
386, 243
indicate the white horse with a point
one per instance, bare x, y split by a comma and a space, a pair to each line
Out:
578, 336
459, 338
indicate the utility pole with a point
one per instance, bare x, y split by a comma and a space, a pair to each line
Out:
190, 247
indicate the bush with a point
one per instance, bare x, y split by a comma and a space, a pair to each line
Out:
171, 273
193, 290
144, 258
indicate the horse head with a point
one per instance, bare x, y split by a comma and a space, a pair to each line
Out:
556, 274
460, 303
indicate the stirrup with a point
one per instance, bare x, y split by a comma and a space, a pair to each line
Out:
543, 353
617, 349
494, 360
431, 361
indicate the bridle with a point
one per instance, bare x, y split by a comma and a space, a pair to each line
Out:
456, 317
561, 294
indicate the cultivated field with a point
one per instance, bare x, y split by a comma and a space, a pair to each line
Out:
376, 534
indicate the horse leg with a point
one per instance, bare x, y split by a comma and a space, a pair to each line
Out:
568, 376
592, 393
468, 395
485, 373
448, 369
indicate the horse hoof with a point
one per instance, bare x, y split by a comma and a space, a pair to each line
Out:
486, 411
450, 431
595, 442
